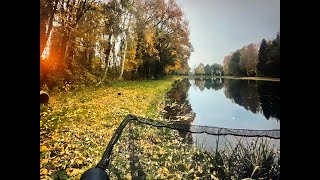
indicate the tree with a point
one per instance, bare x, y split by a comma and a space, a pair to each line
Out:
94, 40
200, 83
262, 58
226, 62
216, 69
274, 57
248, 59
244, 59
48, 10
208, 70
251, 64
199, 70
234, 66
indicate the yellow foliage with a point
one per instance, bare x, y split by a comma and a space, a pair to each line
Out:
43, 171
44, 148
78, 125
128, 176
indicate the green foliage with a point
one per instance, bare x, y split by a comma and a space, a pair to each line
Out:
269, 58
234, 66
248, 62
199, 70
263, 57
253, 160
208, 70
217, 69
61, 175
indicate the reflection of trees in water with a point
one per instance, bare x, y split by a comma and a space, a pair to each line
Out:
270, 99
256, 96
200, 83
178, 108
214, 83
207, 83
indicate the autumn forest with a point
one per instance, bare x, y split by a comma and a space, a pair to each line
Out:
88, 41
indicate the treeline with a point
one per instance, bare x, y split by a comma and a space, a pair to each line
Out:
210, 70
252, 60
86, 42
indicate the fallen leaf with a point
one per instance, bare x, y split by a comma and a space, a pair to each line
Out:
44, 148
43, 171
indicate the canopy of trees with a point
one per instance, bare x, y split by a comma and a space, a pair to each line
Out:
199, 70
209, 70
252, 60
86, 41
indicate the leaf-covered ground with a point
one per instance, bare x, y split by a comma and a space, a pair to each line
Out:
76, 126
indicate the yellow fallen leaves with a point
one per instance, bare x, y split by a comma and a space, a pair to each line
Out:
164, 170
43, 171
128, 176
44, 148
161, 151
74, 171
76, 126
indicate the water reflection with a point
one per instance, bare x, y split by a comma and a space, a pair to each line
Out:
178, 107
256, 96
270, 99
228, 103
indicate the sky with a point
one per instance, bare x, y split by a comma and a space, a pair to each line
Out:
219, 27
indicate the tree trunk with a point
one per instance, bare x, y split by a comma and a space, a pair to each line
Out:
107, 52
123, 56
124, 47
44, 39
114, 55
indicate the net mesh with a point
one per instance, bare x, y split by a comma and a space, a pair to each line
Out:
150, 149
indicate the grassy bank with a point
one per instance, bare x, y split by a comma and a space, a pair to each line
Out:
76, 126
234, 77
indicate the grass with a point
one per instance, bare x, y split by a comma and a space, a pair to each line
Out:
253, 160
76, 126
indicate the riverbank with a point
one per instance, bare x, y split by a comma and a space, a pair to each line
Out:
76, 126
234, 77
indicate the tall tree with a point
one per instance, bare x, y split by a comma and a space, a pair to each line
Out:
274, 57
234, 66
248, 59
199, 70
216, 69
48, 10
262, 58
226, 61
208, 70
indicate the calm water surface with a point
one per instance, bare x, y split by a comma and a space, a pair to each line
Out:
226, 103
236, 104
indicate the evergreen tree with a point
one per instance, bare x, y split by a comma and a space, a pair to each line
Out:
262, 58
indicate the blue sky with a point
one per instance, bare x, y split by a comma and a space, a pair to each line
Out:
219, 27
